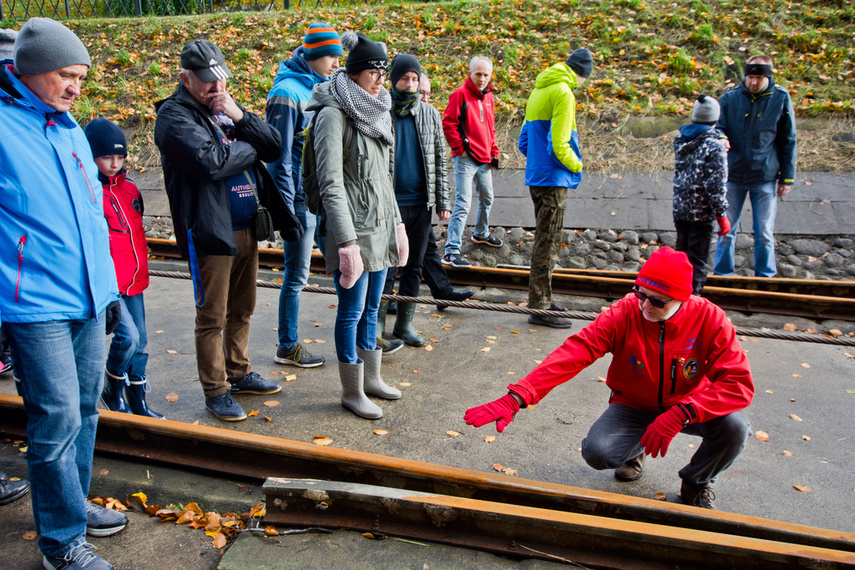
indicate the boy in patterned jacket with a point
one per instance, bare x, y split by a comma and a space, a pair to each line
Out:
125, 382
700, 186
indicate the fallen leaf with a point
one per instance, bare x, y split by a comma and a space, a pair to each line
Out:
490, 438
793, 400
29, 535
268, 419
380, 432
405, 384
761, 436
170, 351
805, 365
486, 349
660, 496
290, 377
452, 433
271, 403
790, 327
321, 440
104, 472
172, 397
806, 437
801, 488
219, 541
320, 341
515, 332
768, 391
795, 417
252, 413
158, 332
491, 342
787, 453
498, 467
415, 371
797, 375
600, 379
270, 530
428, 347
274, 373
509, 372
434, 340
811, 330
509, 471
307, 341
835, 332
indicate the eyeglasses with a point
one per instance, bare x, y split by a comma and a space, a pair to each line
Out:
658, 303
377, 75
424, 94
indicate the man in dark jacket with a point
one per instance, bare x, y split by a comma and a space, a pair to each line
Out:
210, 150
757, 118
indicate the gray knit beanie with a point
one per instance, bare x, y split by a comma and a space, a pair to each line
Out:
581, 62
7, 42
46, 45
706, 110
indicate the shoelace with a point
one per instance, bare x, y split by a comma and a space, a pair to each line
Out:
704, 498
81, 554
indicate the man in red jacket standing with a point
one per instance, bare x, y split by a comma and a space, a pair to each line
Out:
676, 367
469, 124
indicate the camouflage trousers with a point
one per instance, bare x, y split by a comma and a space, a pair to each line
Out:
550, 202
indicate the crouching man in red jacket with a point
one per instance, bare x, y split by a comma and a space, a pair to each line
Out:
676, 367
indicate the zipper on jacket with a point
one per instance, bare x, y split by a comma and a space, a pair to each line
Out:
85, 177
21, 242
661, 365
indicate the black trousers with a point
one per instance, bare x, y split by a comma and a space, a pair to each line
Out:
694, 239
417, 222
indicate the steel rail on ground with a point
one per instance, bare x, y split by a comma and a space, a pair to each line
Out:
460, 506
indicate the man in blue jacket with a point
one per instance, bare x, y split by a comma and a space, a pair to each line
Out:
312, 63
550, 142
757, 118
58, 289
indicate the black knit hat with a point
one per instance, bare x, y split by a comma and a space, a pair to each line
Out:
105, 137
363, 53
581, 62
401, 64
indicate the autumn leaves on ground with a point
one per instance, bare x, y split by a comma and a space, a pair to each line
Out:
651, 60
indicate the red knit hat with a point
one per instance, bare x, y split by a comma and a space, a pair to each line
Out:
668, 272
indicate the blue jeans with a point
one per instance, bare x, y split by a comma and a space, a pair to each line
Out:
127, 350
466, 171
764, 207
615, 438
61, 367
295, 276
356, 318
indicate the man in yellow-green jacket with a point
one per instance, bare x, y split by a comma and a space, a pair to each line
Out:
553, 164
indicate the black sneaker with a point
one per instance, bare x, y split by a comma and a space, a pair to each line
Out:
455, 260
225, 408
103, 522
490, 240
298, 356
390, 346
252, 383
12, 490
80, 557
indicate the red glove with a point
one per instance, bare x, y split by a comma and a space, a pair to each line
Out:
659, 434
723, 224
504, 409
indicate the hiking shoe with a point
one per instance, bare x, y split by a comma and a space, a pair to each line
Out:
225, 408
455, 260
253, 383
490, 240
697, 495
389, 346
631, 470
455, 295
12, 490
554, 322
103, 522
80, 557
298, 355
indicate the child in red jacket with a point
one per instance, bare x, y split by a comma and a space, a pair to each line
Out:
125, 382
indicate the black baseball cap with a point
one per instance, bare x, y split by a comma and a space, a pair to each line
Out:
205, 60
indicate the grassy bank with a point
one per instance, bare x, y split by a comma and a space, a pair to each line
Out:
651, 59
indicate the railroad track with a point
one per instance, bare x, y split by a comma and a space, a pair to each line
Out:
308, 485
809, 298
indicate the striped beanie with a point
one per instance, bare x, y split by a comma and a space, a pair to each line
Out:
321, 39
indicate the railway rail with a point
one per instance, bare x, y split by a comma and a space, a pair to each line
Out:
308, 485
809, 298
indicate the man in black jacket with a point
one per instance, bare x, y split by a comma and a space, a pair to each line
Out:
211, 150
757, 118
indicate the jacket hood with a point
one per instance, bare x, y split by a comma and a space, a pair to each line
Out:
12, 89
297, 68
558, 73
692, 136
322, 97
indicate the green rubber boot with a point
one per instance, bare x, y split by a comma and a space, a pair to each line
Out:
404, 328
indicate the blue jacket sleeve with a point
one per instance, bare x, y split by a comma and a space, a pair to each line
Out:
523, 140
284, 116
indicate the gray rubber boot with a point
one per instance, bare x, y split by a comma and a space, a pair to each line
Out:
404, 328
352, 395
373, 384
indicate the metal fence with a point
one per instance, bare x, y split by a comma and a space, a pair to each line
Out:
80, 9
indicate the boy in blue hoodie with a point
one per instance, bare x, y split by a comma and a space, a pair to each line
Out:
700, 186
311, 63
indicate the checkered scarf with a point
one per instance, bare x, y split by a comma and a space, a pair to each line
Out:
370, 114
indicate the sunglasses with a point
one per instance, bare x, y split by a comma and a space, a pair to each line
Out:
659, 304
